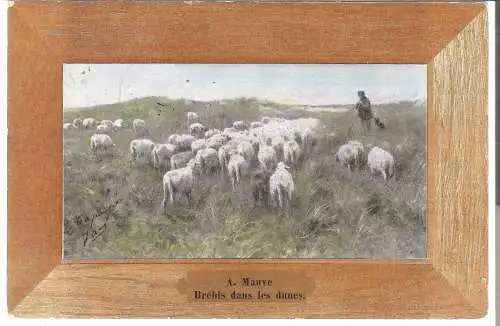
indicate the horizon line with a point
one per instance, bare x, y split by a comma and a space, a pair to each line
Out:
279, 102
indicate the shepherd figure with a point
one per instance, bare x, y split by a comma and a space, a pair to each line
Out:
364, 108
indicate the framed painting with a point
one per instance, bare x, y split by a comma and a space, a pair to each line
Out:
247, 159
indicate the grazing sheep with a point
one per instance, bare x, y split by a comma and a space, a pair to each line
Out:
184, 142
278, 143
138, 125
255, 124
237, 168
246, 150
172, 139
89, 123
291, 150
239, 125
211, 132
359, 152
118, 124
267, 157
224, 154
141, 148
198, 144
180, 160
197, 130
350, 155
265, 140
381, 161
103, 129
346, 156
67, 126
229, 130
207, 159
101, 144
304, 137
162, 154
295, 134
77, 123
192, 117
281, 186
178, 181
216, 141
231, 133
265, 120
108, 123
252, 140
259, 181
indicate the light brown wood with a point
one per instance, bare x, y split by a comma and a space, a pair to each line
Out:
345, 289
457, 161
243, 32
450, 37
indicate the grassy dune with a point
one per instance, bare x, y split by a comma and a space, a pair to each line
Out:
112, 208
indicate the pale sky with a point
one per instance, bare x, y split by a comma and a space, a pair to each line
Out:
315, 84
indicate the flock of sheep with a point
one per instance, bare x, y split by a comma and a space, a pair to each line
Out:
266, 152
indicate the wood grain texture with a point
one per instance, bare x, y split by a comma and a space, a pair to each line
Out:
458, 163
345, 289
108, 31
34, 160
44, 35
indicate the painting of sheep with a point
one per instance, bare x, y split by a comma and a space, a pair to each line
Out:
244, 161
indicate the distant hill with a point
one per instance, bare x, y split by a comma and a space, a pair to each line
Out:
147, 106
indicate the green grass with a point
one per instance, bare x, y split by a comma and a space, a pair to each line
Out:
112, 209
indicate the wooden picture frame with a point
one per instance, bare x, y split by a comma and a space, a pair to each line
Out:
451, 38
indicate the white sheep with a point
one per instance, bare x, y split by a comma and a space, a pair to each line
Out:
67, 126
252, 140
281, 185
101, 144
216, 141
265, 120
255, 124
239, 125
295, 134
292, 152
198, 144
89, 123
229, 130
108, 123
172, 139
305, 136
360, 151
118, 124
246, 150
141, 148
192, 117
180, 160
207, 159
237, 168
278, 143
184, 141
224, 154
381, 161
197, 129
350, 155
178, 181
211, 132
267, 157
103, 129
138, 125
162, 154
77, 123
